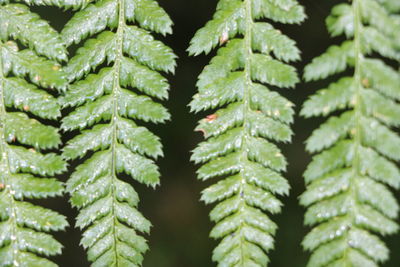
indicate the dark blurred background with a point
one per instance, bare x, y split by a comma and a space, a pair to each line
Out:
179, 237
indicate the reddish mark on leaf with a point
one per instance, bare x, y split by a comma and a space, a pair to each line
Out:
26, 108
211, 118
224, 38
32, 150
2, 186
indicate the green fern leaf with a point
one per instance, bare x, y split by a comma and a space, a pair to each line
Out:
74, 4
114, 83
250, 116
347, 196
24, 163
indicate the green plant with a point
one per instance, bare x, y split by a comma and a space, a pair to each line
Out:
114, 81
24, 76
110, 91
251, 115
347, 194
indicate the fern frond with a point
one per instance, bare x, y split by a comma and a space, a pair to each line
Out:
24, 227
115, 82
67, 4
239, 148
348, 197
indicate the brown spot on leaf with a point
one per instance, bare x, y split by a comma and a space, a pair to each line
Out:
224, 38
211, 118
365, 82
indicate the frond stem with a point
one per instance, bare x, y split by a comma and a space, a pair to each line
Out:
115, 115
358, 57
246, 107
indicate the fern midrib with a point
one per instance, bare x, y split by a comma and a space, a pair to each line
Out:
358, 55
115, 116
246, 109
6, 168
